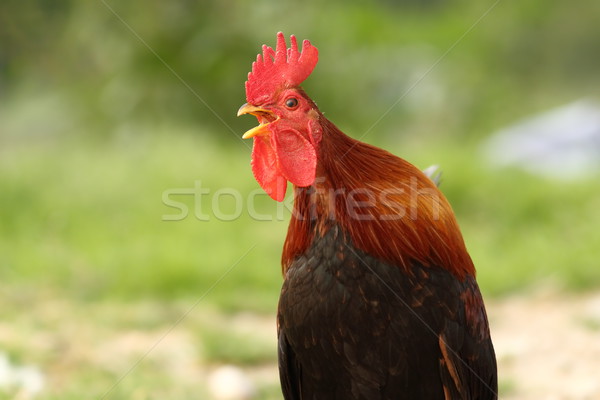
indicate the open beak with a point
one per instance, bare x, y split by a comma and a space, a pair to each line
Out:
265, 117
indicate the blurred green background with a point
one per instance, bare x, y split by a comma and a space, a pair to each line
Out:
105, 106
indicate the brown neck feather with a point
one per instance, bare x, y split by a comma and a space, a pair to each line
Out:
387, 207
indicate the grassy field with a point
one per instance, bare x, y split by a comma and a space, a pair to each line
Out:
99, 265
167, 214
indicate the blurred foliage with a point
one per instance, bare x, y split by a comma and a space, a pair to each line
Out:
156, 61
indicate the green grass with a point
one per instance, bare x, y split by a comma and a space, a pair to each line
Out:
86, 252
143, 349
87, 219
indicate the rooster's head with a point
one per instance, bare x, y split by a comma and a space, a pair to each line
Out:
287, 137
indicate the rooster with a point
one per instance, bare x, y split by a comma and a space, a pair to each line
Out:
379, 299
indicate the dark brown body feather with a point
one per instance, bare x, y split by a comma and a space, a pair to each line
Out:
353, 327
385, 306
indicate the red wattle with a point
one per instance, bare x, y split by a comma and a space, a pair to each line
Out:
280, 157
265, 169
297, 157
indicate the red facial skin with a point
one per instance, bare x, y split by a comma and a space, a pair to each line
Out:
286, 148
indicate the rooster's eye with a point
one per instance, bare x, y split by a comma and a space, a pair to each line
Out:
291, 102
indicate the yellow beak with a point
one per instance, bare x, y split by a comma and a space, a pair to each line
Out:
256, 111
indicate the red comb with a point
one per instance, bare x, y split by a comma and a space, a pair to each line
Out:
282, 67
